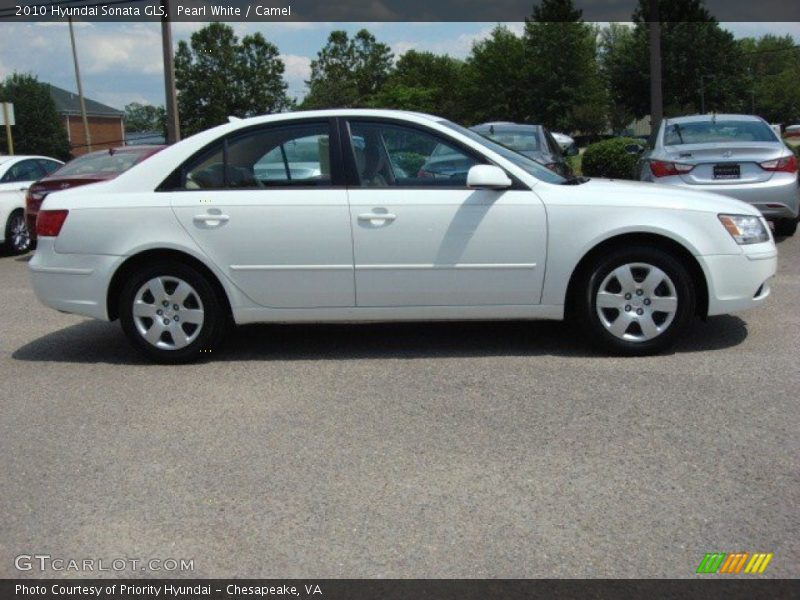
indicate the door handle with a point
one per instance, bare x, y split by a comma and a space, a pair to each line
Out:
212, 218
377, 217
23, 189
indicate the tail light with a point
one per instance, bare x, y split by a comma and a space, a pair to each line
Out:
661, 168
787, 164
49, 222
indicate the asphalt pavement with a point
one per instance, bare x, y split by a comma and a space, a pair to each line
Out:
400, 450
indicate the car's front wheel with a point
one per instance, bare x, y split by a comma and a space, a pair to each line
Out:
18, 238
172, 313
785, 227
635, 301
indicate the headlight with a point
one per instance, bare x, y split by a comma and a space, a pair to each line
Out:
745, 229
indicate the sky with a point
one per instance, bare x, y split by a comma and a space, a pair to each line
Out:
121, 62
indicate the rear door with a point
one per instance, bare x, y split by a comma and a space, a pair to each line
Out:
269, 207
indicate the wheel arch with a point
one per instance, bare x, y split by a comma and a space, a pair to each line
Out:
145, 257
649, 239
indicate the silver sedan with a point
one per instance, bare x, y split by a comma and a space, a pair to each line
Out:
735, 155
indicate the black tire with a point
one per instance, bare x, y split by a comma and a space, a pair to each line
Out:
785, 227
16, 241
585, 302
206, 337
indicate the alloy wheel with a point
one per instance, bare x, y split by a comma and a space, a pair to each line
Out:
168, 313
19, 236
637, 302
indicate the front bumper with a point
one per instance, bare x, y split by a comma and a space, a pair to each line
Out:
739, 281
73, 283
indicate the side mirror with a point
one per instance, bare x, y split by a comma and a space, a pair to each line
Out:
488, 177
572, 150
634, 148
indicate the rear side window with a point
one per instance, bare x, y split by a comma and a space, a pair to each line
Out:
24, 170
293, 156
48, 165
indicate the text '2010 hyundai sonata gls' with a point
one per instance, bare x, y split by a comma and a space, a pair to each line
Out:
329, 216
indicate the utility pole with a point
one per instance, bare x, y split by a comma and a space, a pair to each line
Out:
7, 121
173, 123
656, 97
86, 133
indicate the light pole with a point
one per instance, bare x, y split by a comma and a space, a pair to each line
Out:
86, 133
656, 94
171, 104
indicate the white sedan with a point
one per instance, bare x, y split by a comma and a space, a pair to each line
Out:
195, 238
17, 173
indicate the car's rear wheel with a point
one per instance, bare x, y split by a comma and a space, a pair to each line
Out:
18, 238
172, 313
785, 227
635, 301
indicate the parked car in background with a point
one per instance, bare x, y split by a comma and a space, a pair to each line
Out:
736, 155
533, 141
177, 257
17, 173
89, 168
567, 143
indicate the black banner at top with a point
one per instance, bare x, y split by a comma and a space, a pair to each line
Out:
359, 10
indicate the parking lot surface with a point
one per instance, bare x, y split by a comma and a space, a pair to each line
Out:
403, 450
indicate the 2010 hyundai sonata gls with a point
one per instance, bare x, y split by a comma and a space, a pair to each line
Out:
329, 216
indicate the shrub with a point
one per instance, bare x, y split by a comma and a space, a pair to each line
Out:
609, 159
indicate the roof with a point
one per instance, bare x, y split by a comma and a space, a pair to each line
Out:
68, 103
710, 116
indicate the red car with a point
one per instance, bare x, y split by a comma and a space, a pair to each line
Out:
89, 168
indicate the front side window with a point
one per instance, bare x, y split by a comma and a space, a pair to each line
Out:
523, 162
388, 155
294, 155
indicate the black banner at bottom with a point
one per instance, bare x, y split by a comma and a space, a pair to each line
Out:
397, 589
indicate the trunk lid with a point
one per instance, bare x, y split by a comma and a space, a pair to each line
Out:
716, 164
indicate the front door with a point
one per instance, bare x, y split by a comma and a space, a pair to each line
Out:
422, 238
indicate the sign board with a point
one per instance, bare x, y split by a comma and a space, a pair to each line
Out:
6, 108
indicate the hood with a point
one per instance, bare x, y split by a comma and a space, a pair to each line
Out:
655, 195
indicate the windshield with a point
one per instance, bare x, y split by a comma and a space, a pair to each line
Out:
530, 166
717, 132
519, 141
91, 164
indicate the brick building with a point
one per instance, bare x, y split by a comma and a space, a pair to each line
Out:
106, 127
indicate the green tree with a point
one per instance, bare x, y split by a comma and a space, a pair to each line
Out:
39, 129
218, 76
348, 72
616, 47
697, 54
145, 117
772, 66
493, 87
424, 82
565, 89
